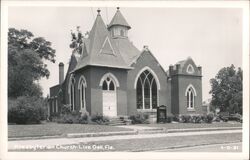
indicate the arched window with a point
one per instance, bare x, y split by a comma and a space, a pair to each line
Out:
146, 91
190, 69
82, 85
108, 84
190, 94
71, 91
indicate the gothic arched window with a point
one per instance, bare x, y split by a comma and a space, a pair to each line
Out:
190, 69
190, 94
82, 85
71, 92
146, 91
108, 84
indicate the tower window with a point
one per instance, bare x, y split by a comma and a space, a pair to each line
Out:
190, 95
122, 32
190, 69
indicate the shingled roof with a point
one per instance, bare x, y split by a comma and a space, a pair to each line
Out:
118, 19
103, 50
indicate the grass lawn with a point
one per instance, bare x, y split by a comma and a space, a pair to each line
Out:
50, 129
194, 125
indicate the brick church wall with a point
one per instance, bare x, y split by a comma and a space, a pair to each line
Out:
146, 59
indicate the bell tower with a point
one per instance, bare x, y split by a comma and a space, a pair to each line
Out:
118, 26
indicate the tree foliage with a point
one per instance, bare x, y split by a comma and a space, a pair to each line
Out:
227, 90
77, 40
25, 62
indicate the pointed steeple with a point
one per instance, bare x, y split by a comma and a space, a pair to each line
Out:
101, 49
118, 20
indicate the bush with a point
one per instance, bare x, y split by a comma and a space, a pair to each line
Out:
27, 110
73, 118
185, 118
66, 109
196, 119
210, 118
84, 119
99, 119
176, 118
139, 118
67, 118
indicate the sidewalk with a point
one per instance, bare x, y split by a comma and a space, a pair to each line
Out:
67, 141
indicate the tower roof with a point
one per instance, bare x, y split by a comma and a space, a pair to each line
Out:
101, 49
118, 20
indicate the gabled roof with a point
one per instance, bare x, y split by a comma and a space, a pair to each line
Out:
101, 48
118, 19
128, 51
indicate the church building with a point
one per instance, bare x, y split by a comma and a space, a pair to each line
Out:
110, 76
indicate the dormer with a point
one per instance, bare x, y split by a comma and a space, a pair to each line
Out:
118, 26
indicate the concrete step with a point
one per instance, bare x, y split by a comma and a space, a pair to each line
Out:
116, 122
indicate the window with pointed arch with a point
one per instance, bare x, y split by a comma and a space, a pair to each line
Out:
190, 69
146, 91
72, 93
82, 92
108, 85
190, 93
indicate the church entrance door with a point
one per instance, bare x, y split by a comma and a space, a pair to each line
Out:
109, 103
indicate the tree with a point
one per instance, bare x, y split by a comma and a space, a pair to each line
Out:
25, 62
77, 40
227, 90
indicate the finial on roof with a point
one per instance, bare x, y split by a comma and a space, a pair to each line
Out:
98, 11
117, 8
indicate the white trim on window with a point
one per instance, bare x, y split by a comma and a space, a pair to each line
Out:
71, 85
150, 83
190, 94
152, 72
190, 69
190, 85
82, 84
111, 76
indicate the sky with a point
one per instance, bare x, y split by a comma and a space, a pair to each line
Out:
212, 37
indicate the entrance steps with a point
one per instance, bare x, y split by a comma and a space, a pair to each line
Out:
117, 121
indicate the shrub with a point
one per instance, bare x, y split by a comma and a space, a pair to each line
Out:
27, 110
176, 118
139, 118
185, 118
196, 119
99, 119
84, 119
210, 118
66, 109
